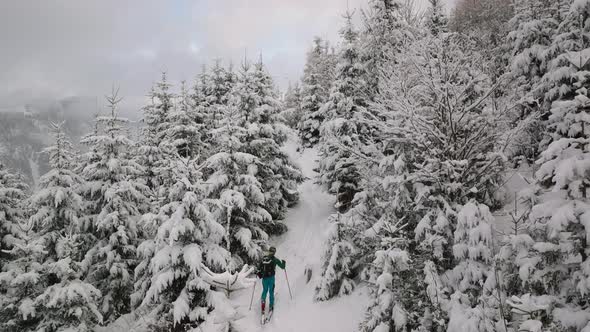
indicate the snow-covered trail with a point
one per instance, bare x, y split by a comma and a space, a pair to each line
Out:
302, 247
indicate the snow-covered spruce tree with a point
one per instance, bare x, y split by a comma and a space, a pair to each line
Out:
436, 20
149, 153
475, 303
117, 195
313, 95
233, 183
387, 274
266, 134
164, 105
337, 270
217, 88
18, 257
12, 193
444, 152
19, 284
486, 23
291, 113
184, 132
66, 301
188, 237
383, 36
554, 268
344, 129
533, 28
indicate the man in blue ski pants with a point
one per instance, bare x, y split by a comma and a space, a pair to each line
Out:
266, 271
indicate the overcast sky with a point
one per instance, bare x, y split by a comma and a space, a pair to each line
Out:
60, 48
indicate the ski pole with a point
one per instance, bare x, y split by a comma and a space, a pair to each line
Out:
287, 278
252, 298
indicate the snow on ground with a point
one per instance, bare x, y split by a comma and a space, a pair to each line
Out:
302, 247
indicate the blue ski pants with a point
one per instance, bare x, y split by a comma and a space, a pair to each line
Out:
268, 286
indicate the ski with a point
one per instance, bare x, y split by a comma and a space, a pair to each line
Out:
263, 319
269, 316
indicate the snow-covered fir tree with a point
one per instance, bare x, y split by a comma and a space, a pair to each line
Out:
436, 20
266, 135
233, 182
111, 182
343, 129
314, 92
149, 151
184, 133
67, 301
217, 87
19, 256
383, 36
42, 282
19, 283
188, 237
292, 113
475, 301
554, 268
12, 193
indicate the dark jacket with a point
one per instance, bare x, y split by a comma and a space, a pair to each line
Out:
266, 267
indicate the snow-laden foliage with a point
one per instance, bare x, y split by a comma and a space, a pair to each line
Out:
152, 148
20, 282
115, 198
188, 237
384, 33
12, 193
234, 184
266, 134
42, 283
292, 112
184, 134
338, 264
315, 85
553, 263
436, 21
344, 130
429, 147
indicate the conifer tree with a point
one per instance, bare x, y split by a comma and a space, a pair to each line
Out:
436, 20
383, 36
218, 85
66, 302
344, 129
184, 133
12, 192
233, 182
276, 172
314, 93
475, 301
188, 237
111, 180
20, 286
556, 269
149, 151
292, 106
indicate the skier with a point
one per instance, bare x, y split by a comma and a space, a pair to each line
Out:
266, 271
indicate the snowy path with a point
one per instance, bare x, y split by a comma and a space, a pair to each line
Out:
302, 246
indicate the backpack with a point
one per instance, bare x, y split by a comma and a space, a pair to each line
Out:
267, 267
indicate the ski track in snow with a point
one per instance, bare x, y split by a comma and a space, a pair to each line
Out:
301, 247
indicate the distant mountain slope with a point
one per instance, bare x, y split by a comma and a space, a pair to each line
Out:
24, 132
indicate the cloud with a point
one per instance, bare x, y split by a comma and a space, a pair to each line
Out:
60, 48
